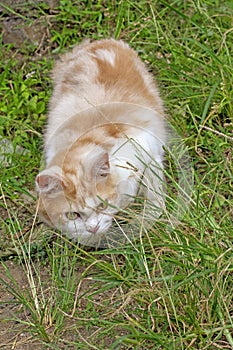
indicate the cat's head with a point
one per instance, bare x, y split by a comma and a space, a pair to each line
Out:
81, 196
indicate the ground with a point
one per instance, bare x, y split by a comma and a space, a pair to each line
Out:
172, 287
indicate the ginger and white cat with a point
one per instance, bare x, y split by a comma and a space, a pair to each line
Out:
104, 140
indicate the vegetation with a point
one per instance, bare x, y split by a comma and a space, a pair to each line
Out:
171, 288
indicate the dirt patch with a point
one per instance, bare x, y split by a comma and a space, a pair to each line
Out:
13, 334
16, 320
21, 26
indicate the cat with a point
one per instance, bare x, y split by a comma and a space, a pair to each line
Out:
103, 142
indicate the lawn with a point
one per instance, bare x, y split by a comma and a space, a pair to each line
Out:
171, 287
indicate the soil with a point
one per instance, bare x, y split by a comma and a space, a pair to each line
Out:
20, 29
15, 330
13, 334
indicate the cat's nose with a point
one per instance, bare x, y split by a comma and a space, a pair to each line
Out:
93, 229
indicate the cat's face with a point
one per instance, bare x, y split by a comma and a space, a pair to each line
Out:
80, 200
78, 220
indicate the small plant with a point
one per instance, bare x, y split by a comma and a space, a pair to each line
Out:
171, 287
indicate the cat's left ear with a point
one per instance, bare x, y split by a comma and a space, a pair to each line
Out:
49, 181
102, 166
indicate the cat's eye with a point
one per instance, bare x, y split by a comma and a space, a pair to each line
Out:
102, 206
72, 215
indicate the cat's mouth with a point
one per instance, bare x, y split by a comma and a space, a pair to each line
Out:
93, 229
99, 228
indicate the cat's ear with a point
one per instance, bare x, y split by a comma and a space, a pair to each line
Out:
102, 166
49, 181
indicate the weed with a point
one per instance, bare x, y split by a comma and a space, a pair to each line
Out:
172, 287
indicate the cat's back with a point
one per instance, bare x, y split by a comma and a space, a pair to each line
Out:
104, 71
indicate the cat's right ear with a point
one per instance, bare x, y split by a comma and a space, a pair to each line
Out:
48, 181
102, 167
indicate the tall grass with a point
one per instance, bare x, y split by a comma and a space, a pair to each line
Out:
171, 288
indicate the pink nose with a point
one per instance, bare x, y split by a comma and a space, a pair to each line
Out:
93, 229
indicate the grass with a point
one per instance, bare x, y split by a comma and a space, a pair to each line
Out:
172, 288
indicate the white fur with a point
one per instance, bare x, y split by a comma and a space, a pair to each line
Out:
106, 55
